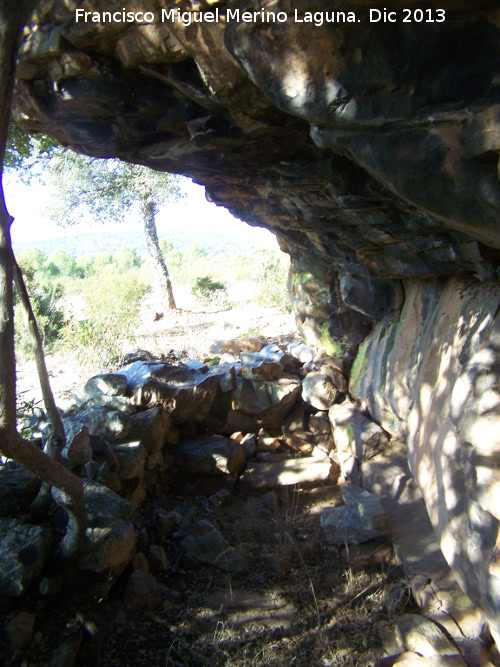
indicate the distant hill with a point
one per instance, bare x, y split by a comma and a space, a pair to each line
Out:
96, 243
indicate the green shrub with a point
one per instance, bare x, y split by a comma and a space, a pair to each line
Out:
112, 302
64, 263
271, 291
127, 257
209, 292
45, 297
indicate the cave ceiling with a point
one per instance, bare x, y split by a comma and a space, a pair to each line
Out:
370, 146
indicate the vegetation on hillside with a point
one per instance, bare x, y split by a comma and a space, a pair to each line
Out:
110, 287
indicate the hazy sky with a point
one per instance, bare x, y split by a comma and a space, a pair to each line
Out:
194, 213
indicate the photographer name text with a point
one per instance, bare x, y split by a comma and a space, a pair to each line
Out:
262, 16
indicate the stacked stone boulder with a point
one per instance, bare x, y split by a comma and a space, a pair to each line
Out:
259, 419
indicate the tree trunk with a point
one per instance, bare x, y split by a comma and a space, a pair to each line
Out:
158, 265
58, 439
13, 15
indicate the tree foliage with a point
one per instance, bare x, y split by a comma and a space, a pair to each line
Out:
104, 190
24, 151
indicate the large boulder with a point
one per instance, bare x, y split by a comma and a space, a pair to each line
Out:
18, 488
24, 548
265, 403
188, 395
211, 455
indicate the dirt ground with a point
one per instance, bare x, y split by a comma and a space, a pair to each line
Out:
298, 601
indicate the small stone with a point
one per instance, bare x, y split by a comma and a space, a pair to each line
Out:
249, 444
319, 390
50, 585
132, 457
205, 544
295, 421
301, 351
110, 384
106, 510
220, 498
194, 365
113, 553
236, 346
19, 630
137, 355
112, 425
395, 598
143, 590
254, 366
238, 462
24, 548
320, 424
267, 402
165, 523
154, 460
226, 375
265, 442
301, 441
158, 559
18, 488
66, 653
336, 375
357, 438
419, 634
140, 562
271, 457
211, 455
151, 427
92, 470
371, 552
77, 449
285, 473
110, 478
362, 518
366, 506
138, 495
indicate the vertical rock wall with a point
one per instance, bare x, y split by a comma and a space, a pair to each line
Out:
432, 377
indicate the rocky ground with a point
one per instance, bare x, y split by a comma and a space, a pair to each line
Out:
298, 601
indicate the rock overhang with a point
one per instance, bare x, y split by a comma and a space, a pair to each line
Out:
368, 148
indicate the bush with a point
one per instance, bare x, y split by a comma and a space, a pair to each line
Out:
45, 297
208, 292
271, 291
112, 302
62, 263
127, 257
